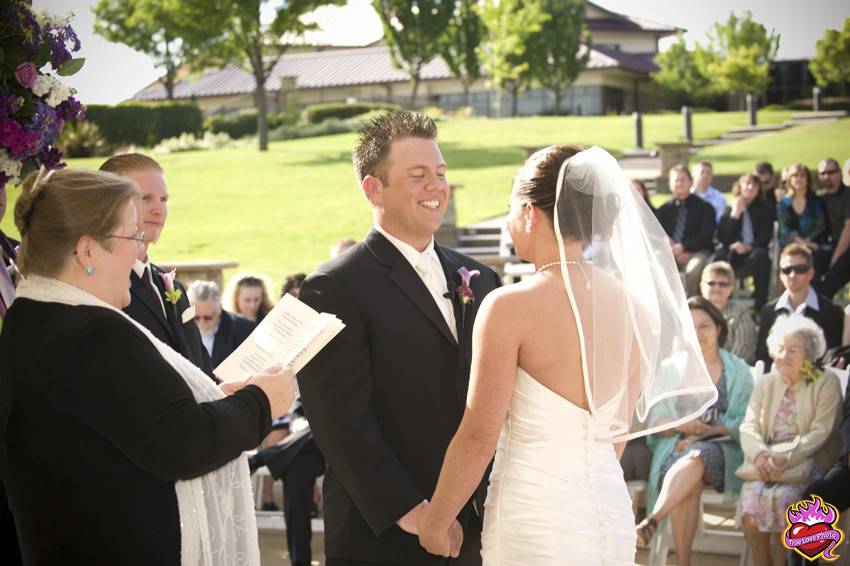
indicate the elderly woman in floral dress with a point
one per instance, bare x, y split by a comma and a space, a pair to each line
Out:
786, 434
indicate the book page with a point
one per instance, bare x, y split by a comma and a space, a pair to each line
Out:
290, 335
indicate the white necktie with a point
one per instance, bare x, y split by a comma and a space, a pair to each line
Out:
435, 281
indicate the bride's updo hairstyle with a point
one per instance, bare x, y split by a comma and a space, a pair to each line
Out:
536, 184
56, 209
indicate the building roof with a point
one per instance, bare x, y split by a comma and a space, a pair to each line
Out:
614, 21
349, 67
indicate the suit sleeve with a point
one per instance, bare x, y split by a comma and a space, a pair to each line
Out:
763, 228
767, 319
729, 229
119, 386
336, 389
703, 239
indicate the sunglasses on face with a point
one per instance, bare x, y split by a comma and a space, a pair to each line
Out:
720, 284
798, 269
205, 317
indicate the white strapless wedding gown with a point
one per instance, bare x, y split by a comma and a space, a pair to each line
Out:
556, 496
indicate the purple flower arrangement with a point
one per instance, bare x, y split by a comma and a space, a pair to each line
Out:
34, 104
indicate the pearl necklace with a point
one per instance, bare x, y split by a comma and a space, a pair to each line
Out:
546, 266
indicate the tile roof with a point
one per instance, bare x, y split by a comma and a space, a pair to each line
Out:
348, 67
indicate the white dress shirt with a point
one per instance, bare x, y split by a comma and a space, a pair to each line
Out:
427, 265
784, 302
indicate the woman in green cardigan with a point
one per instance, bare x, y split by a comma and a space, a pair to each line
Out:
703, 451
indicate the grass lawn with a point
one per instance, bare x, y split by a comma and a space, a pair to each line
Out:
278, 212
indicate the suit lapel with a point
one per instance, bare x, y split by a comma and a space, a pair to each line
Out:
408, 281
141, 293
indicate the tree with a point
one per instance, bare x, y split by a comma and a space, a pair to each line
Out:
153, 27
509, 24
739, 54
831, 63
682, 73
413, 31
244, 39
459, 45
560, 49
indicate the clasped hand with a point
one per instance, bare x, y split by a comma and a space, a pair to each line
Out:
435, 538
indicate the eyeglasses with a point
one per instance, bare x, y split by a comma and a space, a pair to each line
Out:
721, 284
139, 237
829, 172
204, 317
798, 269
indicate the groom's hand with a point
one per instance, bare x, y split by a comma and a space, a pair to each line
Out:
409, 523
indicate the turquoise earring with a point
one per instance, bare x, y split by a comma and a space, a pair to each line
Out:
89, 270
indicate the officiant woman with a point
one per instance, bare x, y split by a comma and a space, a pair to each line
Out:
115, 449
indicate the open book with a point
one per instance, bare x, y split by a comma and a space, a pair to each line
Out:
290, 335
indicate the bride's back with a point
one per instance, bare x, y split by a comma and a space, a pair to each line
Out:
550, 348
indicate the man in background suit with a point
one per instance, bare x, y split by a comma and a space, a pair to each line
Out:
386, 395
689, 223
166, 317
221, 332
796, 270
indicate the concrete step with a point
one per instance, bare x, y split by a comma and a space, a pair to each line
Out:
734, 136
472, 238
830, 114
476, 251
760, 129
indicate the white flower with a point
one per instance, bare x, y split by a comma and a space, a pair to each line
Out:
11, 167
42, 85
58, 94
55, 20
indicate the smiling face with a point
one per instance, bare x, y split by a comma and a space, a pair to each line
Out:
411, 204
716, 288
153, 207
680, 184
799, 181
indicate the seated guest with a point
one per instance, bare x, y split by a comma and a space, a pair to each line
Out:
248, 295
745, 232
703, 451
802, 217
644, 193
222, 332
796, 273
116, 449
718, 282
769, 189
832, 486
702, 178
837, 198
689, 223
292, 284
786, 434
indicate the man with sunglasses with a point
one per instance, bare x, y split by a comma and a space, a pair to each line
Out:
837, 198
169, 321
796, 271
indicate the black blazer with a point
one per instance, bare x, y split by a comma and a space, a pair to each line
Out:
96, 427
699, 227
844, 427
233, 329
830, 318
386, 396
729, 229
170, 328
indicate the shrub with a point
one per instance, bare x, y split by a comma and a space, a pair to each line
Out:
318, 113
244, 122
773, 108
82, 139
191, 142
144, 123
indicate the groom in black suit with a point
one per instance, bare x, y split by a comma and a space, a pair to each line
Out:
167, 319
385, 397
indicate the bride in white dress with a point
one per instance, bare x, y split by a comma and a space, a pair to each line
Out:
563, 371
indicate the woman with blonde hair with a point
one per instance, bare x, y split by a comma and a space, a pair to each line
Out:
248, 294
98, 418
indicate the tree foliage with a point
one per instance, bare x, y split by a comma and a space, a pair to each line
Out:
460, 42
413, 32
243, 39
157, 28
831, 63
560, 49
682, 73
509, 24
740, 51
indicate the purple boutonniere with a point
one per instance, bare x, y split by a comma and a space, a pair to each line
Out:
464, 291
